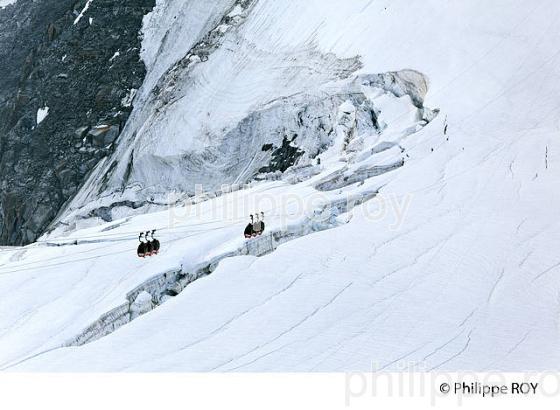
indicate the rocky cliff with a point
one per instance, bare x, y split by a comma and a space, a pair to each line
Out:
68, 74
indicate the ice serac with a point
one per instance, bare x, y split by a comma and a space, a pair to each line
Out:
229, 107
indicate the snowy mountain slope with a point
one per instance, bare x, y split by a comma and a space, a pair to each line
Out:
73, 298
203, 107
467, 280
206, 121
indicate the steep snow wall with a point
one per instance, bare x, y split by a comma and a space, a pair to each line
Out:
281, 133
222, 103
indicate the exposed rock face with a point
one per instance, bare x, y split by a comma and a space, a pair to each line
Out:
66, 85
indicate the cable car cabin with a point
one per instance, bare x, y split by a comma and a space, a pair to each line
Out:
148, 246
155, 244
141, 247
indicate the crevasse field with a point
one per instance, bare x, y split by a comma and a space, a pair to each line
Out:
429, 243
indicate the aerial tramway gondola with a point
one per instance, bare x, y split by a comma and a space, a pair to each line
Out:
249, 229
255, 227
141, 247
262, 223
155, 243
148, 246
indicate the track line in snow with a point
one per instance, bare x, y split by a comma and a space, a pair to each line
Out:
460, 352
540, 275
10, 365
290, 329
226, 324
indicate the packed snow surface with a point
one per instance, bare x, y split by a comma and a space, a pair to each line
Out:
452, 266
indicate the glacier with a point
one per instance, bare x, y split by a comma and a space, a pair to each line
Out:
424, 239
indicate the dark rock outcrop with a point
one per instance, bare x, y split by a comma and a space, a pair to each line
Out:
284, 156
64, 98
